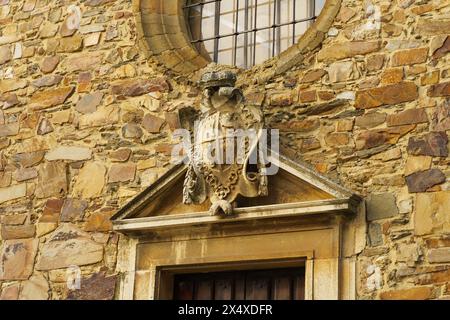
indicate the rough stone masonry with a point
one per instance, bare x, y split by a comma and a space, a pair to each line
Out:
86, 122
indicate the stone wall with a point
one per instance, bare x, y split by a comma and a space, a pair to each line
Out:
86, 121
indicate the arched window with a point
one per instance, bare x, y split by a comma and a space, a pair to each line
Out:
247, 32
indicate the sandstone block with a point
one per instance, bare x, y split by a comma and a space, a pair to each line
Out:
387, 95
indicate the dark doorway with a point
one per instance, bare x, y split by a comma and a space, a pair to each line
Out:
275, 284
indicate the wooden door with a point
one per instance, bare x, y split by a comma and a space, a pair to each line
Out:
276, 284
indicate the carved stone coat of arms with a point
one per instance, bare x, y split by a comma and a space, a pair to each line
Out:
225, 160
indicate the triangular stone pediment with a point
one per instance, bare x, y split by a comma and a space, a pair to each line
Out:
296, 183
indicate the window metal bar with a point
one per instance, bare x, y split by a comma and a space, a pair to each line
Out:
253, 30
293, 18
236, 33
216, 31
199, 4
278, 28
312, 12
274, 27
246, 35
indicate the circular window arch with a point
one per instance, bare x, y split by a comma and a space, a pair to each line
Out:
178, 36
245, 33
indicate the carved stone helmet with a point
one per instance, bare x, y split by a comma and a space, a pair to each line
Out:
217, 79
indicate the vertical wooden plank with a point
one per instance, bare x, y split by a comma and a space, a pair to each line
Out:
282, 288
204, 290
299, 287
239, 288
223, 289
184, 290
257, 288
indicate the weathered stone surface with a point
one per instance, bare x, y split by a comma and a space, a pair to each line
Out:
120, 155
44, 127
416, 293
68, 246
91, 39
409, 253
133, 88
417, 163
122, 172
73, 210
89, 103
52, 210
429, 27
37, 288
72, 44
70, 153
375, 235
392, 76
97, 287
441, 118
47, 81
340, 51
313, 76
430, 78
44, 228
9, 129
432, 213
370, 120
281, 99
17, 259
381, 206
307, 96
409, 57
13, 192
435, 278
440, 90
341, 71
52, 180
83, 61
173, 120
8, 85
441, 255
15, 220
387, 95
375, 62
84, 82
99, 222
305, 125
18, 232
50, 98
422, 181
132, 131
10, 292
432, 144
102, 117
146, 164
49, 64
29, 159
5, 54
9, 100
152, 123
411, 116
374, 138
90, 180
443, 50
61, 117
337, 139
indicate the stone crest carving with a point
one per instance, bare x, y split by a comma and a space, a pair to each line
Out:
224, 161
